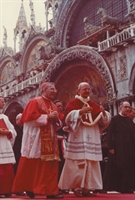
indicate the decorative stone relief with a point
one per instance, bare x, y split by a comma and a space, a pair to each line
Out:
131, 10
39, 53
31, 34
89, 28
132, 80
106, 19
8, 72
82, 53
1, 53
121, 70
65, 12
6, 51
39, 29
5, 37
32, 13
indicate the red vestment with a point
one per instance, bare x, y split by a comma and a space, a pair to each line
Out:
6, 178
83, 151
7, 158
76, 104
35, 174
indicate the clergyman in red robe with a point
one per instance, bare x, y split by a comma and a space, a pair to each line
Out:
38, 167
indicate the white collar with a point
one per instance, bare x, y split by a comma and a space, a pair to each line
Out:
82, 99
121, 114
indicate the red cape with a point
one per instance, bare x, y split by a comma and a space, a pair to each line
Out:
76, 104
32, 110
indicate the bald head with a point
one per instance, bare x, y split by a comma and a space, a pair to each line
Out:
125, 108
82, 84
84, 89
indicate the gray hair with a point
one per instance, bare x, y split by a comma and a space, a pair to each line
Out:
46, 86
82, 84
122, 102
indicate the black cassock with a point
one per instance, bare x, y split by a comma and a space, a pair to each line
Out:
120, 168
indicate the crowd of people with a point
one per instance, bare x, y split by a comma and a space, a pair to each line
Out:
61, 148
21, 78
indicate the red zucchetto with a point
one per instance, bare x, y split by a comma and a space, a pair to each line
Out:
43, 85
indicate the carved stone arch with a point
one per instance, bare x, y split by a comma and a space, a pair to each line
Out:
70, 13
132, 80
16, 101
66, 16
29, 46
6, 52
81, 58
12, 109
3, 63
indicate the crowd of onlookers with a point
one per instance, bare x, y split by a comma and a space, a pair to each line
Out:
20, 78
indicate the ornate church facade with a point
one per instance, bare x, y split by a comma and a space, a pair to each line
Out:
92, 41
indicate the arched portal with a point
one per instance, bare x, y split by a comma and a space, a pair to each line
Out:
12, 111
77, 64
132, 84
132, 81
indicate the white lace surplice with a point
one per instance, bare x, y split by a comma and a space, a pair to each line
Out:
6, 150
31, 142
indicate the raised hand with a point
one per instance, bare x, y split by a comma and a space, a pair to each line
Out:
53, 115
85, 109
102, 109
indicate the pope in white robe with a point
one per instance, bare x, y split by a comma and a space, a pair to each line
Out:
84, 121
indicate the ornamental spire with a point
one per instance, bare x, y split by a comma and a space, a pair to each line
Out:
32, 13
21, 22
5, 37
21, 28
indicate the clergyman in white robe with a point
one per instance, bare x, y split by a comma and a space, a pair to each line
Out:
83, 151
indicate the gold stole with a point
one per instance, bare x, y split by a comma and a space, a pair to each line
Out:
49, 144
92, 123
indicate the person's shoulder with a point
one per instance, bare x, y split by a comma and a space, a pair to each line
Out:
34, 99
4, 116
129, 119
31, 102
116, 117
72, 101
91, 102
71, 104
